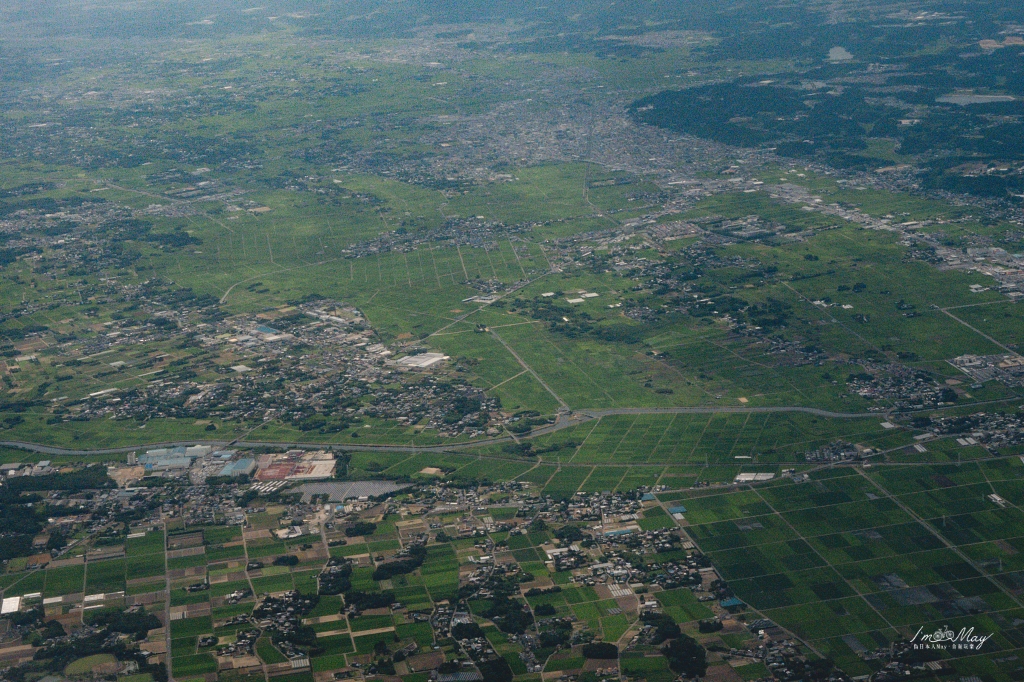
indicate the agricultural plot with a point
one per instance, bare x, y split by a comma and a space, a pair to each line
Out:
869, 557
66, 580
638, 314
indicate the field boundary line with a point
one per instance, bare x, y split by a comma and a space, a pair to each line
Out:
530, 370
949, 544
980, 333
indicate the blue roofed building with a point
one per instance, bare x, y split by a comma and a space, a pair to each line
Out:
242, 467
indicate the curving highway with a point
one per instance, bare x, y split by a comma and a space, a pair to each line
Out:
565, 420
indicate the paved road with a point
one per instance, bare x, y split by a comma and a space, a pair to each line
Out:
564, 421
727, 410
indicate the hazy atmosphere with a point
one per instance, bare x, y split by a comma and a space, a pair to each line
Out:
455, 341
